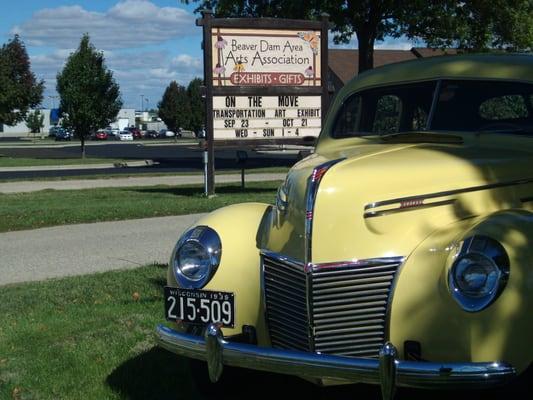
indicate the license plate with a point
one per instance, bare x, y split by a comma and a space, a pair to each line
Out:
200, 306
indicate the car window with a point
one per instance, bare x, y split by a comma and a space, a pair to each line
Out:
504, 107
478, 105
348, 119
385, 110
387, 116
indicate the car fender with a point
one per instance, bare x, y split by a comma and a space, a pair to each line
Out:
239, 271
423, 309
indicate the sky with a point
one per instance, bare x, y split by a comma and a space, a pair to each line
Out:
146, 43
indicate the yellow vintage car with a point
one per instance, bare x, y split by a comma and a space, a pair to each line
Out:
400, 253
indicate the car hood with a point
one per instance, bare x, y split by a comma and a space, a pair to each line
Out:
381, 199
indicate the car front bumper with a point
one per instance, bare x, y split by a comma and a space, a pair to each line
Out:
387, 371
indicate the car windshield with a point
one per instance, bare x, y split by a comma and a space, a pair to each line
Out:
446, 105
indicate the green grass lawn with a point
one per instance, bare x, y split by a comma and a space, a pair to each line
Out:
50, 207
88, 338
92, 337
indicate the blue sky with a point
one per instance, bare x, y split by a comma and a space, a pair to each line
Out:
147, 43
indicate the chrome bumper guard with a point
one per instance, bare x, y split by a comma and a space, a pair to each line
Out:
387, 371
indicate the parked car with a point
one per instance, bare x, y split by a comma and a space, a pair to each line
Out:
53, 131
398, 254
200, 134
124, 135
63, 134
135, 132
151, 134
165, 133
99, 135
111, 132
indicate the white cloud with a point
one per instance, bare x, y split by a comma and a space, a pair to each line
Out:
128, 24
187, 61
147, 73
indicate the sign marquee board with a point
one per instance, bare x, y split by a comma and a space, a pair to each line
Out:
267, 57
266, 117
264, 81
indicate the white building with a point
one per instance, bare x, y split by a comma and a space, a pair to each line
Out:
21, 129
125, 117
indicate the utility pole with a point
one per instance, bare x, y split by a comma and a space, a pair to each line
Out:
142, 102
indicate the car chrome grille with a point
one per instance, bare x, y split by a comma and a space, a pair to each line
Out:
284, 286
347, 305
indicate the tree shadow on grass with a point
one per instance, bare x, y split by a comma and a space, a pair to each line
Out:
198, 191
153, 375
160, 375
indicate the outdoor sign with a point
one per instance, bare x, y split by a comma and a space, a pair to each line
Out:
266, 117
266, 57
265, 81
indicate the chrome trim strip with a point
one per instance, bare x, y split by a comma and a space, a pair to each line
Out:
313, 183
372, 214
427, 375
401, 261
310, 197
369, 262
421, 198
284, 259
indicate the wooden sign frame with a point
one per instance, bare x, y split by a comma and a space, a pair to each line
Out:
208, 23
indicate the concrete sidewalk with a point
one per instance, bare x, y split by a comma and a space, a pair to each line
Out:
174, 180
141, 163
87, 248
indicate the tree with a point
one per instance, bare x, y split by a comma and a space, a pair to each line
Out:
470, 24
475, 26
35, 121
19, 89
174, 107
197, 115
90, 97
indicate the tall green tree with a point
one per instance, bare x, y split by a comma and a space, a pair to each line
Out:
35, 121
174, 107
197, 115
19, 89
469, 24
90, 96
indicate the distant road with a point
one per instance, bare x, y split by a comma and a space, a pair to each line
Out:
171, 158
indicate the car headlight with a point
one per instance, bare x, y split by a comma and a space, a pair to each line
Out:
196, 257
479, 273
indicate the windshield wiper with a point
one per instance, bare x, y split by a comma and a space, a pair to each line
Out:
421, 137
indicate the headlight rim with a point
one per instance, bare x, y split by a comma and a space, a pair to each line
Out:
495, 253
207, 238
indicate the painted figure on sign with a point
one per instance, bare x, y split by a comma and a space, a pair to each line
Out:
220, 71
310, 73
239, 65
312, 39
220, 44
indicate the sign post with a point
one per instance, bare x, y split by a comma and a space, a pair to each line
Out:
265, 81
